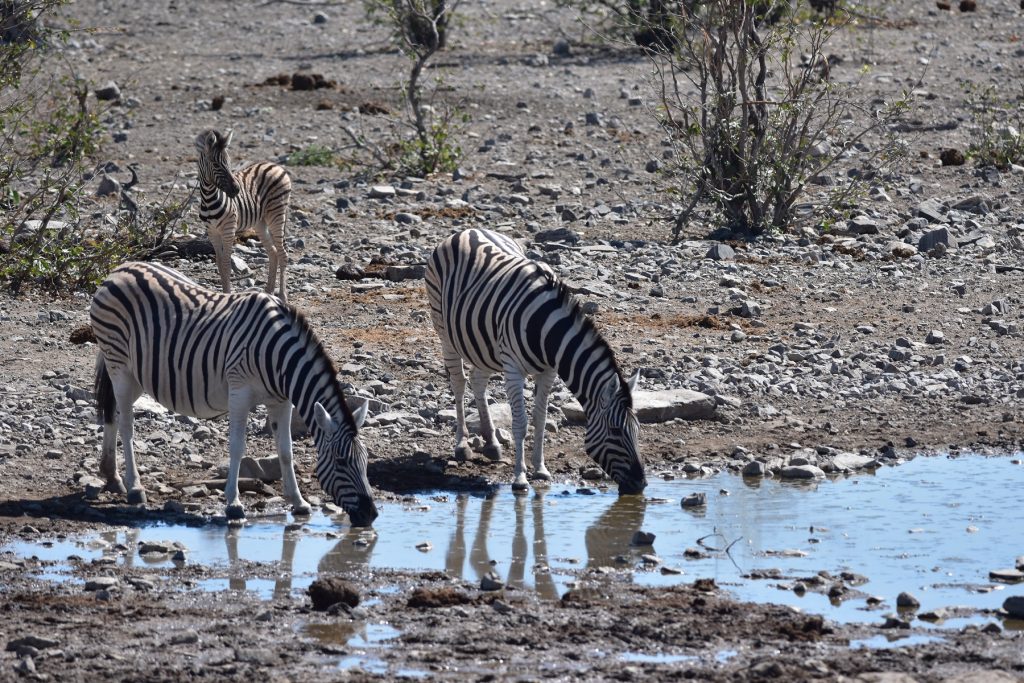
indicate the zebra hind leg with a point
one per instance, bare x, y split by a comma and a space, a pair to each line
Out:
106, 412
281, 417
126, 390
478, 381
239, 401
540, 417
457, 377
514, 381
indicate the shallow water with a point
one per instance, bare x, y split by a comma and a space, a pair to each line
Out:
934, 527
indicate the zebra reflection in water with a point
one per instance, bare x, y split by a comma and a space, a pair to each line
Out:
479, 555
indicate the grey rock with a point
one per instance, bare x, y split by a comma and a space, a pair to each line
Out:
491, 582
381, 192
694, 500
593, 119
1006, 575
849, 462
1014, 606
38, 642
267, 469
238, 265
108, 92
101, 583
557, 235
349, 271
652, 166
721, 252
562, 48
802, 472
932, 210
755, 468
93, 486
401, 273
750, 309
907, 601
320, 18
935, 238
935, 337
407, 218
658, 406
863, 225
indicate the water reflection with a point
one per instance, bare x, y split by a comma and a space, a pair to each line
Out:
611, 533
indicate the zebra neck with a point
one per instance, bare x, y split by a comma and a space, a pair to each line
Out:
212, 201
312, 382
587, 366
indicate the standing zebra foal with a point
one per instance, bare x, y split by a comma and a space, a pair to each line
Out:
207, 354
501, 312
256, 197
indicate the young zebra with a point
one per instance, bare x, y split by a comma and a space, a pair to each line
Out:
203, 353
255, 197
502, 312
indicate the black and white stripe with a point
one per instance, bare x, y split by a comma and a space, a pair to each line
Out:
206, 354
255, 197
501, 312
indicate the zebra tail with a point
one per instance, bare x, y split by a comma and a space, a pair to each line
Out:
106, 402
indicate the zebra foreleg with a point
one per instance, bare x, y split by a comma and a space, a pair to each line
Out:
478, 381
222, 237
239, 404
281, 417
514, 381
540, 415
272, 238
457, 377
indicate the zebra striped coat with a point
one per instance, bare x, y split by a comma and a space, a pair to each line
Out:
256, 197
501, 312
206, 354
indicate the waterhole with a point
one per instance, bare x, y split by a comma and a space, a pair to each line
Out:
934, 527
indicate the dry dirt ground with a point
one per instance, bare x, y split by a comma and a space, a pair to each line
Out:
172, 59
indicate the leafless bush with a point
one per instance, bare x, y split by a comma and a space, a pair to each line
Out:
753, 112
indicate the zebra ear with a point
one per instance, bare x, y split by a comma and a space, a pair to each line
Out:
359, 414
633, 381
323, 419
227, 139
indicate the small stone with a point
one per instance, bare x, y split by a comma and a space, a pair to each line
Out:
108, 92
491, 582
721, 252
694, 500
1014, 606
561, 48
330, 591
642, 538
320, 18
907, 601
382, 192
737, 336
652, 166
802, 472
754, 468
863, 225
557, 235
349, 272
932, 210
935, 238
101, 583
593, 118
424, 546
107, 186
1006, 575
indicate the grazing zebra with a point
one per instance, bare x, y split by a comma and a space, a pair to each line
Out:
203, 353
502, 312
255, 197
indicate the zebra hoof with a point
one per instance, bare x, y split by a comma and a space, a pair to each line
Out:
137, 497
492, 452
462, 453
303, 510
234, 512
115, 486
520, 487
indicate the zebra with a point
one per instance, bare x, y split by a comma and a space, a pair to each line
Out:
202, 353
502, 312
255, 197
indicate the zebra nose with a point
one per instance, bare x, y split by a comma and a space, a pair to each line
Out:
363, 513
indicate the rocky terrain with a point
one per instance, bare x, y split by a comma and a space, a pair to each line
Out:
895, 333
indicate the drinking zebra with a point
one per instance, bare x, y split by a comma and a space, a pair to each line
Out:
206, 354
256, 197
501, 312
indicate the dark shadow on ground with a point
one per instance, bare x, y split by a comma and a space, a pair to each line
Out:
75, 507
421, 472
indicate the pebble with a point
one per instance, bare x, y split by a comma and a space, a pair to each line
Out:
908, 601
101, 583
1006, 575
491, 582
694, 500
1014, 606
642, 538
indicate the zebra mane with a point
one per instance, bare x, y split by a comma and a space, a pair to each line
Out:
588, 324
298, 319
